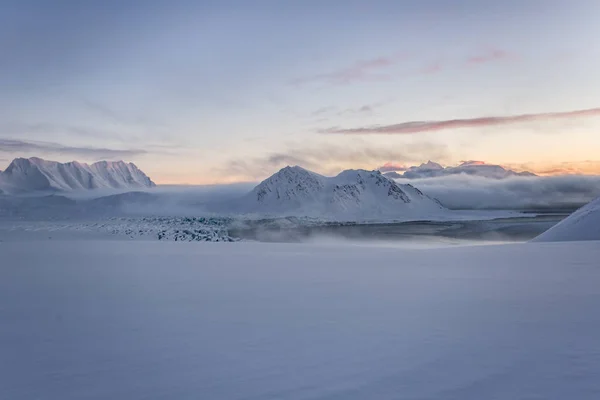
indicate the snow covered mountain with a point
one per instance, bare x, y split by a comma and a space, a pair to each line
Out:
583, 224
35, 174
351, 195
432, 169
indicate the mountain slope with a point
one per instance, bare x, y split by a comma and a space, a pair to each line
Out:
583, 224
351, 195
35, 174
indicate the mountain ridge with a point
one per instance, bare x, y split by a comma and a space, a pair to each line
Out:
352, 194
474, 168
35, 174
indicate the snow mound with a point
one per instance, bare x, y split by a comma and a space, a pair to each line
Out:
35, 174
583, 224
351, 195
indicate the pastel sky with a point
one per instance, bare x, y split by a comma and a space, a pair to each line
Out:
226, 91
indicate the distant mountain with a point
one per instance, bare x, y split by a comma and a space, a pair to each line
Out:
583, 224
351, 195
35, 174
474, 168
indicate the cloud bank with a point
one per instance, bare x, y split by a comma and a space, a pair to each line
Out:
412, 127
471, 192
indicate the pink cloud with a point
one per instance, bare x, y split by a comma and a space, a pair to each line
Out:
411, 127
390, 166
492, 55
473, 162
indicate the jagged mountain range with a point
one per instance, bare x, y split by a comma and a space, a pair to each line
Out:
432, 169
34, 174
293, 191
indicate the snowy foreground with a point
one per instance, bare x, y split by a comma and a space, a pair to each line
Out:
166, 320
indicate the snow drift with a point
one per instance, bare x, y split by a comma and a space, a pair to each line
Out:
583, 224
34, 174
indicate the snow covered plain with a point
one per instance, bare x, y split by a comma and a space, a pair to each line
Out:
165, 320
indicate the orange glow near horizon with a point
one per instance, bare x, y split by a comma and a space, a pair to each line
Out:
554, 169
588, 167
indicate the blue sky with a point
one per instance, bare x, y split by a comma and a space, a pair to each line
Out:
223, 91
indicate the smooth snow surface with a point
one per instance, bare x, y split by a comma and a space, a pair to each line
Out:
350, 196
583, 224
35, 174
148, 320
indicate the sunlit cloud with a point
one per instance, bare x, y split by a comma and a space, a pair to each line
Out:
412, 127
473, 162
392, 167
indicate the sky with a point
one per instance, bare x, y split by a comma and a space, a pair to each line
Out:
204, 92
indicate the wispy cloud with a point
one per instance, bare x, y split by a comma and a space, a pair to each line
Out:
367, 70
323, 110
489, 56
390, 166
412, 127
15, 146
432, 68
350, 111
45, 128
366, 109
111, 115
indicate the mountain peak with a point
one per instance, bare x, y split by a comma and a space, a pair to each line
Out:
295, 168
431, 165
351, 195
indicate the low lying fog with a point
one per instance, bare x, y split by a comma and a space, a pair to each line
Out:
471, 192
455, 192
